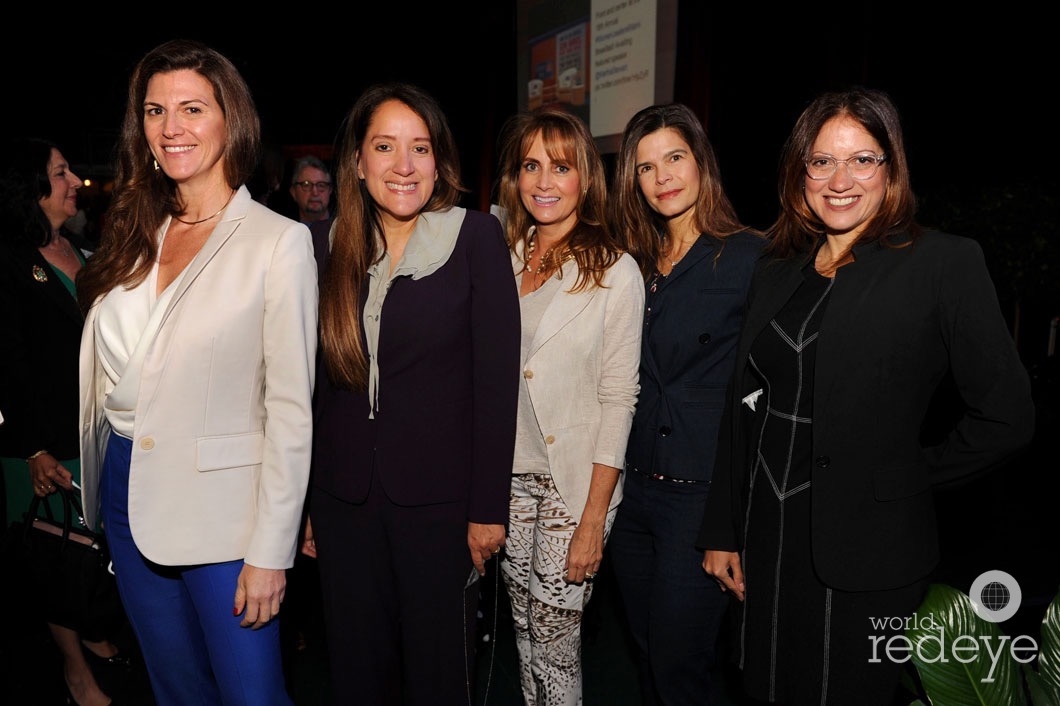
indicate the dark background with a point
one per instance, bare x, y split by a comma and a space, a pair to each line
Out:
976, 91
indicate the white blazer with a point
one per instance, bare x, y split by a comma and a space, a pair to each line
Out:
223, 417
582, 375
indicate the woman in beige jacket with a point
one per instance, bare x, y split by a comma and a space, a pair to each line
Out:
581, 305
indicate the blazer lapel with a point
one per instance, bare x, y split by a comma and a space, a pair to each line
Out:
233, 216
563, 308
703, 248
773, 289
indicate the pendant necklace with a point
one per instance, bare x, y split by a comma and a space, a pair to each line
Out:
671, 261
214, 215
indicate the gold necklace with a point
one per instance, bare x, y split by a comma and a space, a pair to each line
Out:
547, 262
203, 220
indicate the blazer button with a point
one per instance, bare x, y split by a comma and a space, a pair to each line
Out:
550, 439
823, 461
704, 338
665, 431
528, 374
147, 443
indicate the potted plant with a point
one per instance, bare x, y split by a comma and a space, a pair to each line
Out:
963, 659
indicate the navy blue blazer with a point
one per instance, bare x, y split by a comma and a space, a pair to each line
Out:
691, 324
448, 383
897, 322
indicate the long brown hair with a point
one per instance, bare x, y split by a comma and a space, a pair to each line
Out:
354, 246
797, 229
635, 222
143, 195
567, 140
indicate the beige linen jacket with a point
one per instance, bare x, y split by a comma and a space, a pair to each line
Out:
582, 375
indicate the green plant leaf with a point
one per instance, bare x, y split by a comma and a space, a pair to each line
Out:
1045, 685
981, 671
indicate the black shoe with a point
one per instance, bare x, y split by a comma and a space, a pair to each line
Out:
116, 664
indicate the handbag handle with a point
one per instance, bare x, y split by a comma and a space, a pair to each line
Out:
71, 504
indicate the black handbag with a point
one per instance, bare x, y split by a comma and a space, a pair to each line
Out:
66, 567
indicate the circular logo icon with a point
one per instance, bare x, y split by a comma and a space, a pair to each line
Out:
996, 596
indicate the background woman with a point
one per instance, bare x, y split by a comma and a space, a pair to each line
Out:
697, 261
197, 377
821, 516
581, 300
40, 333
415, 411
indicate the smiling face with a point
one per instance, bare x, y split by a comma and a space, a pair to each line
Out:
185, 126
396, 162
844, 204
667, 173
549, 190
62, 203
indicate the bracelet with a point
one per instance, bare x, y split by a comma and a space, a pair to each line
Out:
39, 453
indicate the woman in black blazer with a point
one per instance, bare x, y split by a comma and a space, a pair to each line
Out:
414, 416
696, 259
821, 518
40, 334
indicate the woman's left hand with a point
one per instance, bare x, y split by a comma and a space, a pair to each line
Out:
259, 593
585, 553
484, 541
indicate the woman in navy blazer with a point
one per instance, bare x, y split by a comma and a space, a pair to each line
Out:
821, 520
415, 408
581, 300
696, 260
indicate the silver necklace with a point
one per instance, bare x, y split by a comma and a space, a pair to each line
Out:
59, 245
673, 263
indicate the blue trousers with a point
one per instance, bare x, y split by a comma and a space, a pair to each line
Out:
196, 652
675, 611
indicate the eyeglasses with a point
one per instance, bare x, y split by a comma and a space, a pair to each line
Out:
309, 185
860, 166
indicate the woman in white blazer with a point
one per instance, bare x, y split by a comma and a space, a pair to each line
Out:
197, 371
581, 306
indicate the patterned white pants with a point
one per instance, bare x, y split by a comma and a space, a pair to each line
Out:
546, 609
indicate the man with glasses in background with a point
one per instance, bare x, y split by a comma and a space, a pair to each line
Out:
311, 189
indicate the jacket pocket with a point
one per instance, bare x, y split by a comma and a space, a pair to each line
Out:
214, 453
900, 482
